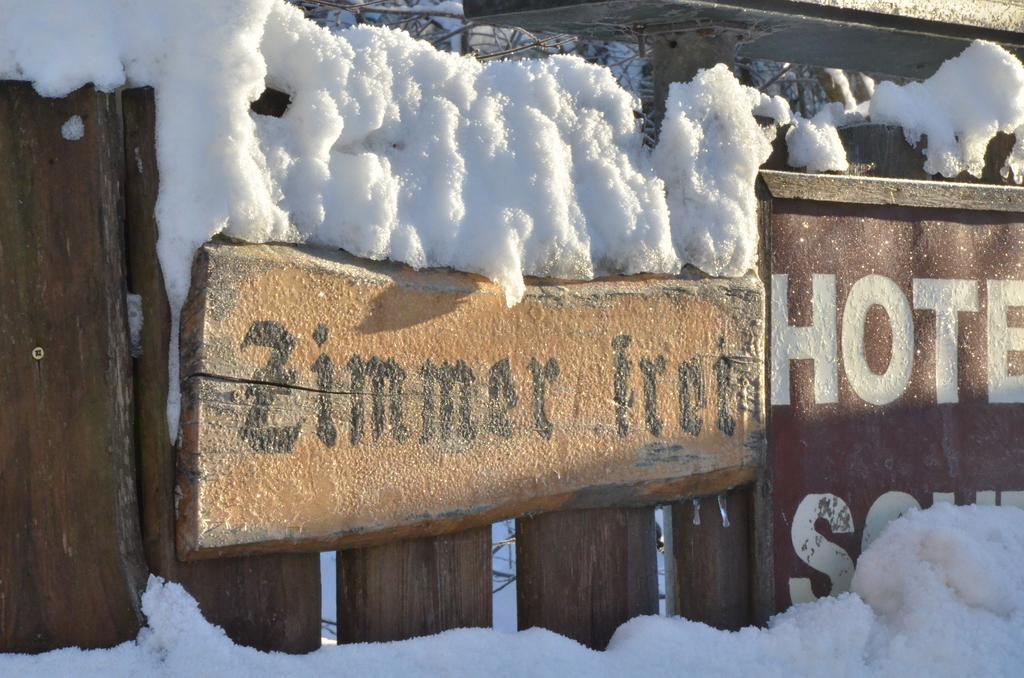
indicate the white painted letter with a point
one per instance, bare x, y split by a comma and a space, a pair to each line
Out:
815, 550
1014, 498
869, 291
985, 498
816, 341
886, 509
1002, 387
947, 298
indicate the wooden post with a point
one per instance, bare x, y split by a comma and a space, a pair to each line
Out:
708, 585
583, 573
762, 558
415, 587
677, 57
71, 566
268, 602
712, 555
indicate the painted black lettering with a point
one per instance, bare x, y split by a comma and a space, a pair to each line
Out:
281, 343
725, 395
323, 368
357, 370
651, 369
622, 396
387, 373
439, 385
542, 375
692, 396
502, 398
256, 429
386, 381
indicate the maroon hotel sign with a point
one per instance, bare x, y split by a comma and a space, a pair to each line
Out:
897, 369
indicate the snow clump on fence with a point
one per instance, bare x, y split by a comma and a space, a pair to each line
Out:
969, 99
393, 149
959, 109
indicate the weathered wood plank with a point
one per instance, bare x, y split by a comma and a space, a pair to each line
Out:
359, 401
416, 587
882, 151
678, 57
902, 192
584, 573
762, 541
712, 556
907, 38
71, 566
1003, 15
270, 602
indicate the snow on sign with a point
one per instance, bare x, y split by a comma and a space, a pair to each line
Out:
897, 362
331, 401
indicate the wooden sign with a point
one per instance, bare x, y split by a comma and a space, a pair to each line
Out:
897, 349
331, 401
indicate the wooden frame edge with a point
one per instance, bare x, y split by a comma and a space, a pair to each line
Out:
892, 192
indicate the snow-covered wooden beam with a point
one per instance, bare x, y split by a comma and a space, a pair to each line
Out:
908, 38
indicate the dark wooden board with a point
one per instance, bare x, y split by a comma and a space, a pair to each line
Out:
712, 559
584, 573
71, 566
362, 401
271, 602
415, 587
848, 455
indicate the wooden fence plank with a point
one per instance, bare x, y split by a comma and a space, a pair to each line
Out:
887, 191
762, 595
270, 602
71, 566
712, 556
583, 573
415, 587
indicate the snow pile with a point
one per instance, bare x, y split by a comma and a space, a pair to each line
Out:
869, 85
841, 82
433, 159
940, 593
960, 108
73, 128
815, 143
709, 151
948, 586
392, 149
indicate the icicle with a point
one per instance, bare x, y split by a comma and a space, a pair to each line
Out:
721, 509
696, 511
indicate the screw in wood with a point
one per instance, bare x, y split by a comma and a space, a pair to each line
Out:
38, 353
